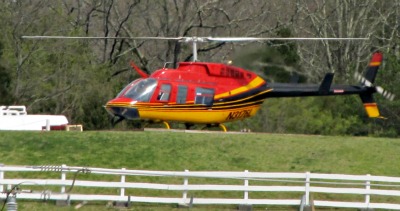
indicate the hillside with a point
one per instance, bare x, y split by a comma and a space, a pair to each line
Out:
208, 151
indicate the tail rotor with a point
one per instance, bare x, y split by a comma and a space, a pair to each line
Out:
386, 94
367, 81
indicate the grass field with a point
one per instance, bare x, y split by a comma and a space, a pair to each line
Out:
199, 152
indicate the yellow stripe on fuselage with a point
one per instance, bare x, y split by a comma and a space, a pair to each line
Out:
253, 84
204, 116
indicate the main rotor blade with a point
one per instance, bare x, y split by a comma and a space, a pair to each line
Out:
199, 39
194, 40
244, 39
132, 38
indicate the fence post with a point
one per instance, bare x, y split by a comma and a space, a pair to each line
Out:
367, 187
122, 191
47, 124
63, 177
1, 177
307, 188
245, 206
246, 184
185, 183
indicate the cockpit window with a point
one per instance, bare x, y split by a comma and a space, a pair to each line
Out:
127, 87
142, 90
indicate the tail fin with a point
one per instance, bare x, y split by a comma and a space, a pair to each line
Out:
366, 97
373, 66
326, 83
370, 105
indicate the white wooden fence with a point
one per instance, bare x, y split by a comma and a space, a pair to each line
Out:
344, 191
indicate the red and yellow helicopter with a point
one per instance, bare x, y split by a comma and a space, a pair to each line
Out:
214, 93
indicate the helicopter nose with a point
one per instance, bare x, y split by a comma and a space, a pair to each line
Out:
120, 107
127, 113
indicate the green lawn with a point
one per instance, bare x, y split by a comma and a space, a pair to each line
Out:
150, 150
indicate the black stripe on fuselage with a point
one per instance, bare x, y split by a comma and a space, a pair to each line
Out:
304, 90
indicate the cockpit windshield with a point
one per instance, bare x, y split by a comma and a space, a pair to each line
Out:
121, 93
140, 90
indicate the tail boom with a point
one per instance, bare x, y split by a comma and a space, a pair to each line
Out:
364, 90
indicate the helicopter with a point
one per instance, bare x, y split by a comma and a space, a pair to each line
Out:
212, 94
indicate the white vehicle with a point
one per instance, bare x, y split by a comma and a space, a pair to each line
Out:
16, 118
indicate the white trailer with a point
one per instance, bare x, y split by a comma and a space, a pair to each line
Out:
16, 118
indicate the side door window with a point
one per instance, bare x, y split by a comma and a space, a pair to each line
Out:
182, 94
164, 93
204, 96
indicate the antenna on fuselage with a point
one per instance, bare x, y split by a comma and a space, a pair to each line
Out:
166, 63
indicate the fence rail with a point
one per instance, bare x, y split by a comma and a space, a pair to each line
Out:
305, 184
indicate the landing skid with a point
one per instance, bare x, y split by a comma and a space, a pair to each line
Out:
208, 126
189, 126
166, 124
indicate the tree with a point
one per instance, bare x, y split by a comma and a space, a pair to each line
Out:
340, 19
5, 83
